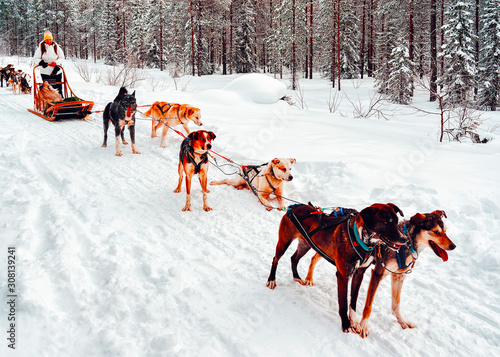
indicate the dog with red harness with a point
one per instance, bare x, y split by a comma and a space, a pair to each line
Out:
347, 243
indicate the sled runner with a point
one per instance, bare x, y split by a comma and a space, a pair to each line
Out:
72, 107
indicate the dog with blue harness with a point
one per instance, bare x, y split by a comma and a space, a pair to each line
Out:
348, 242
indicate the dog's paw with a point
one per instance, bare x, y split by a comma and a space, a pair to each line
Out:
300, 281
177, 190
269, 208
119, 154
154, 135
186, 208
308, 282
163, 146
124, 142
406, 324
271, 284
136, 152
364, 331
207, 208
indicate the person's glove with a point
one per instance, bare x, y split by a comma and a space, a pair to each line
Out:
43, 64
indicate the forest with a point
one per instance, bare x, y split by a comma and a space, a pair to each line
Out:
451, 47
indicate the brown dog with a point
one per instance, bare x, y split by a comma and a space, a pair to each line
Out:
423, 230
265, 180
15, 83
193, 159
47, 94
171, 114
341, 244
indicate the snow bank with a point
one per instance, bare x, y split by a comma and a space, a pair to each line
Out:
261, 89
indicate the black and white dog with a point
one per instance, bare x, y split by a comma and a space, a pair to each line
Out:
121, 112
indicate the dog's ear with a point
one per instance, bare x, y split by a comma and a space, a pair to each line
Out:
417, 219
211, 135
189, 112
275, 161
440, 213
368, 216
292, 161
396, 209
133, 94
194, 135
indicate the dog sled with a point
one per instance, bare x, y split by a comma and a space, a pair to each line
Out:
72, 106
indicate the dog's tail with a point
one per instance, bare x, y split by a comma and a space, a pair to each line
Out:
148, 112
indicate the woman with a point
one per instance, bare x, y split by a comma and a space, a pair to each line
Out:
50, 55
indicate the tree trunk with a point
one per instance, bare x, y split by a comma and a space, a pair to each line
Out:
371, 66
477, 44
334, 41
224, 51
199, 42
338, 41
161, 36
231, 38
411, 38
192, 35
433, 79
311, 41
442, 35
362, 47
294, 63
124, 34
306, 62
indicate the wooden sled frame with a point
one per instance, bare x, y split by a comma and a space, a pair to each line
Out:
79, 109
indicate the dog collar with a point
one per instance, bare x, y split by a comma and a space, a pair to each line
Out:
359, 240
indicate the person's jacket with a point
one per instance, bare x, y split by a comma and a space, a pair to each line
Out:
46, 54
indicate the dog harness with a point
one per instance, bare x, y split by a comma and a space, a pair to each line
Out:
188, 151
247, 171
401, 255
169, 106
332, 220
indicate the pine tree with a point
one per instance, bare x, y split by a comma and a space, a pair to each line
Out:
400, 81
328, 42
489, 90
245, 59
391, 31
458, 79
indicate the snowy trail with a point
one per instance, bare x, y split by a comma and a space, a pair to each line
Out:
109, 265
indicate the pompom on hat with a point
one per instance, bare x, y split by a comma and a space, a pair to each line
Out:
47, 35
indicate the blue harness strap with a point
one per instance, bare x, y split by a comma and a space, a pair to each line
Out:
401, 255
359, 241
405, 232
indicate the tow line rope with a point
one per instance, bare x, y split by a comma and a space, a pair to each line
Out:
102, 111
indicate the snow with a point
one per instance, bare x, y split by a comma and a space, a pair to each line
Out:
108, 265
259, 88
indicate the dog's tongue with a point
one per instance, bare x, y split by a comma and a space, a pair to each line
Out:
129, 111
439, 252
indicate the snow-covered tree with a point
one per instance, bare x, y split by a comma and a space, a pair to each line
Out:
245, 59
392, 27
400, 81
489, 76
458, 79
327, 40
